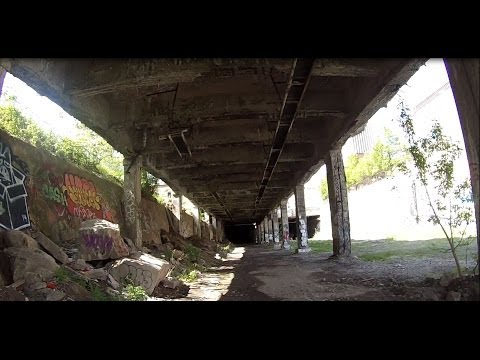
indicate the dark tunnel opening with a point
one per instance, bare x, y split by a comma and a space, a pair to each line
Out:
240, 233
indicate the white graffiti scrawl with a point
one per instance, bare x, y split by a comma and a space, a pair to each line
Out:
13, 195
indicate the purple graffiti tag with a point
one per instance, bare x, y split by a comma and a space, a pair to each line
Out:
103, 242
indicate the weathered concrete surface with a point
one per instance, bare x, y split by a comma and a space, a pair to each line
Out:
285, 228
59, 195
51, 248
99, 240
154, 220
213, 145
6, 275
10, 294
144, 270
338, 199
464, 75
18, 239
25, 260
276, 234
132, 198
187, 225
302, 235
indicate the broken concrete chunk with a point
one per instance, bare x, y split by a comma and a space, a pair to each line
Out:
25, 260
76, 292
80, 265
52, 248
18, 239
55, 295
100, 240
11, 294
171, 283
454, 296
178, 254
144, 270
97, 274
112, 282
6, 276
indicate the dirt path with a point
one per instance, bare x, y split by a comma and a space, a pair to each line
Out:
256, 273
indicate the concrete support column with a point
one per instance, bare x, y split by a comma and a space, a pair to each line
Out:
285, 231
219, 230
276, 235
337, 197
214, 227
302, 235
132, 198
199, 229
265, 230
464, 77
269, 228
180, 207
262, 233
210, 227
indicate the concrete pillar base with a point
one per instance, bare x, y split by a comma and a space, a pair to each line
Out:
303, 250
277, 246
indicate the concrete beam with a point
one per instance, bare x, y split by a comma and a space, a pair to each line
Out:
345, 67
106, 76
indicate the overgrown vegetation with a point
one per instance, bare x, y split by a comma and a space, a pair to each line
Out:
432, 163
88, 150
386, 157
132, 292
63, 276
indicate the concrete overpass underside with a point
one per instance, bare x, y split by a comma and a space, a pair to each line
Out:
233, 135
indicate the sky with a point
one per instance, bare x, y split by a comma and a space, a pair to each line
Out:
427, 80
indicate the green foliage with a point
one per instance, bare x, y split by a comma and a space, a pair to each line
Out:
149, 183
189, 274
433, 157
132, 292
88, 150
62, 276
385, 158
192, 253
97, 293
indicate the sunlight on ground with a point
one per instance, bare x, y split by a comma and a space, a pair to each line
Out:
216, 282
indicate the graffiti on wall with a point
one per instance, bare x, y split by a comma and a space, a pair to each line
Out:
13, 195
78, 196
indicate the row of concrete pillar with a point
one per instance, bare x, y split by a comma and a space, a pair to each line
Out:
463, 75
132, 205
268, 229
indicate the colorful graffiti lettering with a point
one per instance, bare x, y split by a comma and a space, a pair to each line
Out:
81, 192
54, 193
13, 195
103, 243
78, 195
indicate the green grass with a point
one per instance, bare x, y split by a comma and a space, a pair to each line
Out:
321, 245
380, 250
381, 256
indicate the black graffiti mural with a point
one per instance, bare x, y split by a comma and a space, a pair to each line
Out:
13, 195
